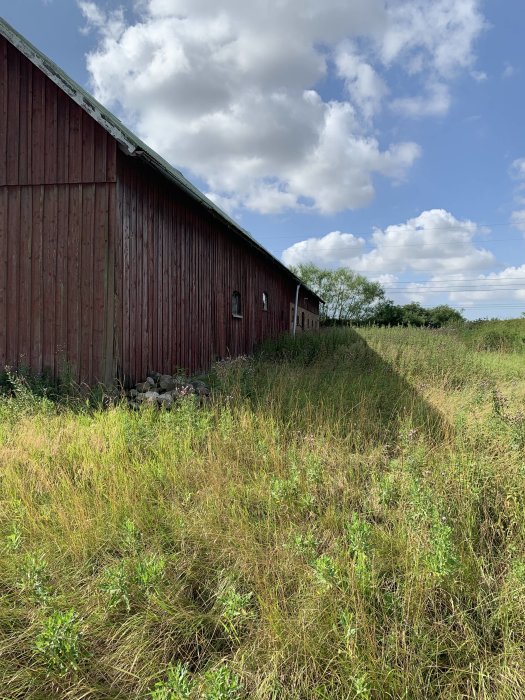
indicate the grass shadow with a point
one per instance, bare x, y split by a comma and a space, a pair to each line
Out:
333, 382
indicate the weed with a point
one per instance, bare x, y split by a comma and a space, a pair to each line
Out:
132, 578
131, 536
34, 581
442, 559
357, 535
149, 571
235, 609
285, 491
221, 683
59, 644
314, 469
305, 544
117, 585
361, 687
346, 624
177, 686
14, 537
327, 571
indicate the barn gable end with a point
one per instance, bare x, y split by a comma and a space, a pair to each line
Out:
57, 215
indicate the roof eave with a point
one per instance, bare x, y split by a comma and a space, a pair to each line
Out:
132, 144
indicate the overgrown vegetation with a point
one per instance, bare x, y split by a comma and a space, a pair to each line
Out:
343, 520
386, 313
495, 335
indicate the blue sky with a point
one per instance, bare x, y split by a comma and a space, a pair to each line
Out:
385, 137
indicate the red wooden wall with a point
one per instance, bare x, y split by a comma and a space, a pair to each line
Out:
177, 266
57, 211
106, 265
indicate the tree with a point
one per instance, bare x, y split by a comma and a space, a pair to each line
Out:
414, 314
347, 295
386, 313
443, 315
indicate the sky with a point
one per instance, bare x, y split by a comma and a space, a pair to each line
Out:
387, 137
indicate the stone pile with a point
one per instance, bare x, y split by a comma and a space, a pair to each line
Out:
163, 390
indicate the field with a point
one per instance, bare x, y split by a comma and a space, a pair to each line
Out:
344, 519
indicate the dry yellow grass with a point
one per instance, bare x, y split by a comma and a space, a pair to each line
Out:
344, 520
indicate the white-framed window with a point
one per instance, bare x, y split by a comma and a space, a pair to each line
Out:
236, 305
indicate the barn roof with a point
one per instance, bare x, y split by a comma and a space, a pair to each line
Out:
132, 144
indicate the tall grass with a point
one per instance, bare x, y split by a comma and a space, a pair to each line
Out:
344, 519
499, 336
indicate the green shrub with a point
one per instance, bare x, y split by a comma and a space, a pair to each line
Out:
177, 686
221, 683
59, 644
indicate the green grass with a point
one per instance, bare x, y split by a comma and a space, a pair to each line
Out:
345, 519
499, 336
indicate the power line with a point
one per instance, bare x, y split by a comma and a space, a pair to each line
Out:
466, 279
452, 279
432, 270
410, 285
450, 229
407, 245
414, 285
467, 307
409, 290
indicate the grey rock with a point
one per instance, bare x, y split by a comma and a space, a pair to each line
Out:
165, 400
200, 388
143, 386
151, 396
167, 382
133, 393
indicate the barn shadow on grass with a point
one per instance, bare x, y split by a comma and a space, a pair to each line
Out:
334, 382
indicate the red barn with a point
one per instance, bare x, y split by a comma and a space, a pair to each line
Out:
110, 260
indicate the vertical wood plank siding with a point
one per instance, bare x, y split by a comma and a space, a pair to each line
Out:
104, 264
177, 266
57, 219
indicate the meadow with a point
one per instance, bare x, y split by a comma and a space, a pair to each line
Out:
345, 518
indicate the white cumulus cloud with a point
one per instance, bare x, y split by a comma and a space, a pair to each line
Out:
435, 240
433, 258
501, 287
230, 92
336, 248
435, 103
434, 35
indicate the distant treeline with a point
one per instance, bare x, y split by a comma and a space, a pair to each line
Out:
386, 313
352, 299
